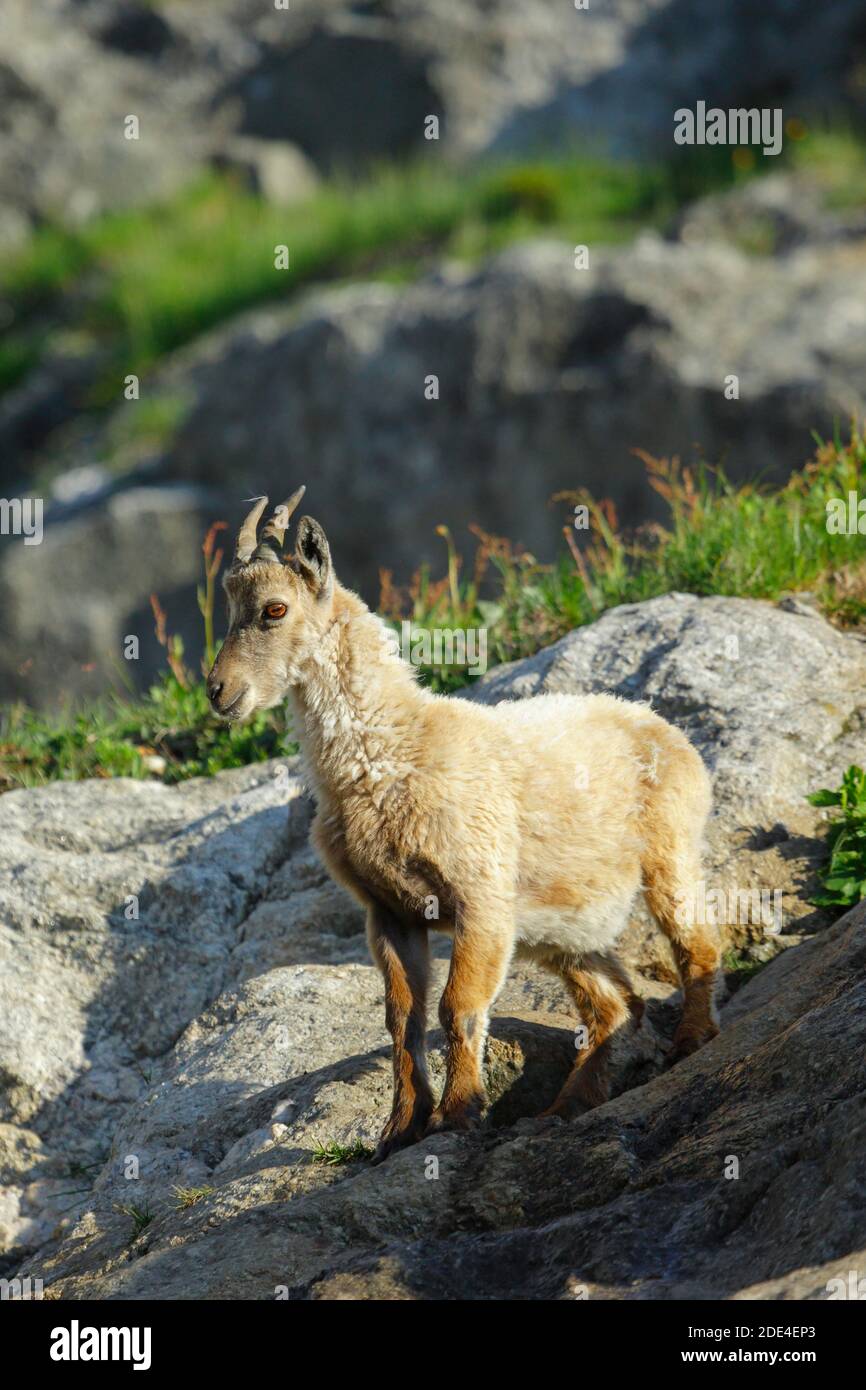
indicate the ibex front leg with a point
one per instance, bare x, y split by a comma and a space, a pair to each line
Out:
401, 952
479, 962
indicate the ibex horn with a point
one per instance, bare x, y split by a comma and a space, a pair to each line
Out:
276, 527
246, 542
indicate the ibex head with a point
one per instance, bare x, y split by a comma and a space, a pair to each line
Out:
279, 609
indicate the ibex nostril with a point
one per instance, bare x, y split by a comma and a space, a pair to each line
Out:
214, 690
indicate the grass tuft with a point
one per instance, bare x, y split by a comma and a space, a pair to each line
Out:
333, 1153
140, 1217
186, 1197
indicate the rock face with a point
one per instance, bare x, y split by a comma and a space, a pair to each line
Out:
547, 379
148, 539
185, 1062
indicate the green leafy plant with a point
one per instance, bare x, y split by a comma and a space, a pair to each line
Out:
333, 1153
844, 875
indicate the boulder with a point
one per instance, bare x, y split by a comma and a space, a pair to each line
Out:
350, 80
64, 627
347, 95
65, 155
786, 54
734, 1175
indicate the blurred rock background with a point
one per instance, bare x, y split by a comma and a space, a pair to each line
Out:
410, 258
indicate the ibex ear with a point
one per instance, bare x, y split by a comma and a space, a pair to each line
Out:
314, 556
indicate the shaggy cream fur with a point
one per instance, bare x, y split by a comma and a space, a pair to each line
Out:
527, 827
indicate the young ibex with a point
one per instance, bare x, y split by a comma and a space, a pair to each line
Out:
421, 798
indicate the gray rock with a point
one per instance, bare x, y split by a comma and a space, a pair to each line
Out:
509, 77
346, 94
64, 153
636, 1199
64, 627
785, 54
776, 214
121, 905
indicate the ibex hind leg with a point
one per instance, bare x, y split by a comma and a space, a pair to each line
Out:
672, 872
605, 1003
401, 952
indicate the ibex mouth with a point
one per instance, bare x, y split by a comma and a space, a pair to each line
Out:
229, 711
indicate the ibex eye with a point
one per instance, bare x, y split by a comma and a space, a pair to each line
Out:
275, 610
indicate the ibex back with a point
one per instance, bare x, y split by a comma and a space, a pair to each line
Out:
422, 798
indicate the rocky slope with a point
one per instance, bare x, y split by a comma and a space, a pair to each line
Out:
210, 1041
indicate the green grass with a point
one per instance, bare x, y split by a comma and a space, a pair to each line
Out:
132, 286
139, 283
333, 1154
844, 875
836, 159
147, 280
171, 728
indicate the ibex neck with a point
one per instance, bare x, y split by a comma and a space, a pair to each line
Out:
357, 706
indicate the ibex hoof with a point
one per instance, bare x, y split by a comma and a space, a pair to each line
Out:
395, 1137
457, 1118
685, 1043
